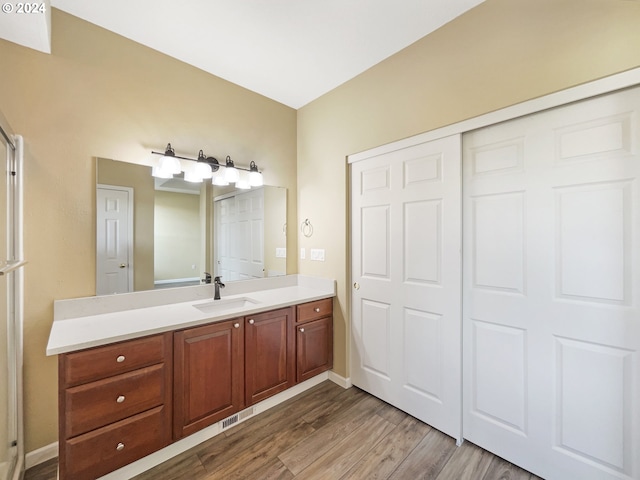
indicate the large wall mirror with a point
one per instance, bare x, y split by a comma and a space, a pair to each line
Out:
158, 233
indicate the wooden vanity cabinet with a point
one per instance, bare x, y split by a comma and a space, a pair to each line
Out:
314, 338
269, 354
208, 375
123, 401
114, 405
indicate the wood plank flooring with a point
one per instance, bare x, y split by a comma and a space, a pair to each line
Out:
328, 433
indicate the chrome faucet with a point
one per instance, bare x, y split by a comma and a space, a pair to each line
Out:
217, 284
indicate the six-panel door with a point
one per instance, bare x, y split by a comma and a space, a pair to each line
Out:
552, 289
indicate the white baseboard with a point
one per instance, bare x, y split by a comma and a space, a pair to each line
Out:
41, 455
338, 380
50, 451
176, 448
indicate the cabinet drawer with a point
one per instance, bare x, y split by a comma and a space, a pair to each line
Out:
102, 362
313, 310
96, 453
98, 403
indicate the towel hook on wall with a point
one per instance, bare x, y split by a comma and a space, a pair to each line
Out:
306, 228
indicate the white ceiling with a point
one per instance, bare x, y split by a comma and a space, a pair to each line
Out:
292, 51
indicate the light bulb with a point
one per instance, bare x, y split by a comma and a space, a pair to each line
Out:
243, 181
158, 172
219, 179
202, 170
170, 165
255, 179
191, 174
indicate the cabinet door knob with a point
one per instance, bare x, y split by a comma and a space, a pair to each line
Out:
120, 446
236, 325
251, 321
120, 399
302, 330
120, 359
317, 309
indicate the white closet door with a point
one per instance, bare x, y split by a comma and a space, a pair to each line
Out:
552, 289
406, 319
239, 244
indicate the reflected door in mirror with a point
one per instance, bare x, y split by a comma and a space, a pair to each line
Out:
239, 245
114, 240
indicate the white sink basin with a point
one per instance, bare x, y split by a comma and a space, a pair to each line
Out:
225, 304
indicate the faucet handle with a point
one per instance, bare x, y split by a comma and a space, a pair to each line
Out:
207, 277
218, 281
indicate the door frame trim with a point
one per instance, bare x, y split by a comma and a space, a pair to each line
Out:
601, 86
130, 236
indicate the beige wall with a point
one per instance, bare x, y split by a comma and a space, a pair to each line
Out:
500, 53
177, 236
100, 95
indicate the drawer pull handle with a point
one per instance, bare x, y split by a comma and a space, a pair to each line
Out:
120, 446
236, 325
317, 310
120, 359
302, 330
120, 399
251, 322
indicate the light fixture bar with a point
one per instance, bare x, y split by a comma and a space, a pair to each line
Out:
208, 161
206, 168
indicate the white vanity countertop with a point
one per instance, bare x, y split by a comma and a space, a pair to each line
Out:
93, 321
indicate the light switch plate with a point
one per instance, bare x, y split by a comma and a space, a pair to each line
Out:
317, 254
303, 253
281, 252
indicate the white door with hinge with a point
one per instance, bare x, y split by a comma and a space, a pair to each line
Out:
406, 318
114, 239
551, 319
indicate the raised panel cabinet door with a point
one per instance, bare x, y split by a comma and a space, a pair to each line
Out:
269, 354
208, 374
314, 342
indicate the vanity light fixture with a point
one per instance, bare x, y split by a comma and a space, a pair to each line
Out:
243, 180
169, 164
255, 177
231, 173
204, 168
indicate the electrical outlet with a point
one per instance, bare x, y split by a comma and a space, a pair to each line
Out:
317, 254
303, 253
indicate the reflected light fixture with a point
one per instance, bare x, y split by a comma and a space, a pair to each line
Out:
205, 167
157, 172
219, 180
